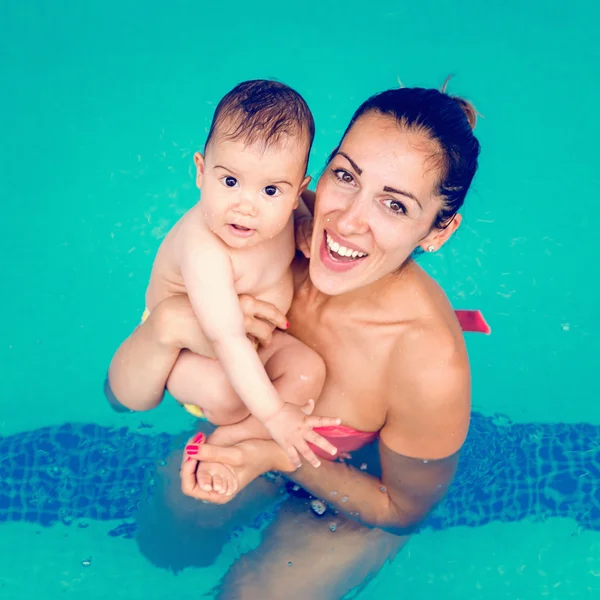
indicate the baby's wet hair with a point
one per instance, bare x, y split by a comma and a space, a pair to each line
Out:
263, 112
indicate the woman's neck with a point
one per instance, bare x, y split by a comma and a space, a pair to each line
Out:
366, 297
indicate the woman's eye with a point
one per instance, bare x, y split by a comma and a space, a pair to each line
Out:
395, 206
229, 181
344, 176
272, 191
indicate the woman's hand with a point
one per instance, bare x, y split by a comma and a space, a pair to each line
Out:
176, 324
247, 460
261, 319
303, 232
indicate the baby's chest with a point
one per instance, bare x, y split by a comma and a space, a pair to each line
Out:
256, 274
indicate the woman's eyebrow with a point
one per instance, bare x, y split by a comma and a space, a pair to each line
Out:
386, 188
354, 165
402, 193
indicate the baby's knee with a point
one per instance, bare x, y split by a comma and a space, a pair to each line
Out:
312, 373
113, 401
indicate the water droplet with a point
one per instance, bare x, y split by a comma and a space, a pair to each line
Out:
295, 488
87, 562
425, 462
318, 507
344, 498
289, 563
333, 527
334, 493
383, 489
363, 467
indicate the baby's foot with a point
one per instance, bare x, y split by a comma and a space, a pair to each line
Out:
212, 476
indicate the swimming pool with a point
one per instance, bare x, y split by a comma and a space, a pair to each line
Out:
103, 108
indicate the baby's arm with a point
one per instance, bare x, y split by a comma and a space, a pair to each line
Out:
209, 280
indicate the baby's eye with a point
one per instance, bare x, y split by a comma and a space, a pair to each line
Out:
342, 175
229, 181
395, 206
272, 191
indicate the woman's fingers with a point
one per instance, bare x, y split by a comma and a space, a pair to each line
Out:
227, 455
187, 474
259, 330
258, 309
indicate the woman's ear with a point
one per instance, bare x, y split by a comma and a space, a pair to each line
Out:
438, 237
199, 162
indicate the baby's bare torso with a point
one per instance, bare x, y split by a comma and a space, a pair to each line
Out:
262, 271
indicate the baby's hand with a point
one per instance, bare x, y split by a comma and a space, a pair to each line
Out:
292, 426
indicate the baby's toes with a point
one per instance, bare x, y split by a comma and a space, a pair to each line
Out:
219, 484
232, 485
205, 479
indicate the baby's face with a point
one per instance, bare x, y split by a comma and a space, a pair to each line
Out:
248, 193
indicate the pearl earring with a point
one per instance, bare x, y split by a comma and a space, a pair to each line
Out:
431, 249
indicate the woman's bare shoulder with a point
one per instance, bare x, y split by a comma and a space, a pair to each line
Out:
428, 379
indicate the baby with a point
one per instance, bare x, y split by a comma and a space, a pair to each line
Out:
239, 239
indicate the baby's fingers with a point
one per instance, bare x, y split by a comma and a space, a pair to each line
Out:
293, 457
308, 454
323, 421
314, 438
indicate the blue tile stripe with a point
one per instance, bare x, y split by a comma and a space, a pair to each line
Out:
75, 473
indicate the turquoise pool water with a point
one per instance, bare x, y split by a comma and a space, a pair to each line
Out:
102, 108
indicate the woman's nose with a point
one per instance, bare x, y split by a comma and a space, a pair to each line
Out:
354, 219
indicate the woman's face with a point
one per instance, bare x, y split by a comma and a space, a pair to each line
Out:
376, 203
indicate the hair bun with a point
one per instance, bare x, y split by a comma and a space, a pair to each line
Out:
468, 109
465, 105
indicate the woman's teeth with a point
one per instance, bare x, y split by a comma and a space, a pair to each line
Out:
335, 248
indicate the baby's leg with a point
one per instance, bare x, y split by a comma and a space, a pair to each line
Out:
201, 381
298, 375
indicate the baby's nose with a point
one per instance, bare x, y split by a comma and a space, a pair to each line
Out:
246, 205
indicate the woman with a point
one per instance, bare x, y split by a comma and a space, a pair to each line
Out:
397, 367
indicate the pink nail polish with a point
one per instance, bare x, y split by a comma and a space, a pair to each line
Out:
191, 449
287, 324
198, 438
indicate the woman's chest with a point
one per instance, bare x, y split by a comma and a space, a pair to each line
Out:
357, 358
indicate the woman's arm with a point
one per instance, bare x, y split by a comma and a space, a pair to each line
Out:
431, 421
397, 502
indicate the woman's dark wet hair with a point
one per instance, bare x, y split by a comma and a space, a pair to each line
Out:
448, 121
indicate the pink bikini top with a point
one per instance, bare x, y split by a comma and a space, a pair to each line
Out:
347, 439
